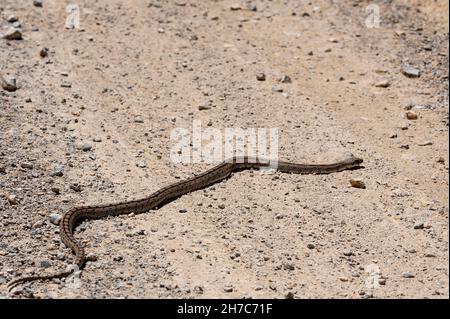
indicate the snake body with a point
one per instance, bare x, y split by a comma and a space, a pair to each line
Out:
171, 192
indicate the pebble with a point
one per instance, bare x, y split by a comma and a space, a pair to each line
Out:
252, 7
55, 218
75, 187
138, 119
285, 79
44, 264
56, 190
289, 295
277, 89
357, 183
26, 165
37, 3
12, 18
91, 257
419, 225
183, 210
141, 164
235, 7
347, 253
43, 52
426, 143
12, 199
203, 107
38, 224
288, 266
410, 115
57, 171
261, 76
86, 147
221, 206
408, 274
12, 34
311, 246
383, 84
410, 71
17, 25
9, 83
228, 288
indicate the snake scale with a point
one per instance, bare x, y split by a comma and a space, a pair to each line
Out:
171, 192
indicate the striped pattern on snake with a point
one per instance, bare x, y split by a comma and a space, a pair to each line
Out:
171, 192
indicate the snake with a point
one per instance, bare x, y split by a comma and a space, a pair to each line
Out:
167, 194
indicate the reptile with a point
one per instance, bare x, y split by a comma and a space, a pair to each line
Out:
169, 193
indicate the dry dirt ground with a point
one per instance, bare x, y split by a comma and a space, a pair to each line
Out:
90, 123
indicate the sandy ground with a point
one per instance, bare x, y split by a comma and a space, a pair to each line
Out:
90, 123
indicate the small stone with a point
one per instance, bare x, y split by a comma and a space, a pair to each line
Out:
419, 225
289, 295
425, 143
56, 190
277, 89
12, 199
228, 288
26, 165
429, 255
17, 25
55, 218
261, 76
343, 279
252, 7
348, 253
235, 7
37, 3
410, 71
91, 257
44, 264
138, 119
57, 171
9, 83
357, 183
311, 246
86, 147
43, 52
12, 33
408, 274
75, 187
288, 266
203, 107
12, 18
183, 211
439, 160
383, 84
410, 115
28, 100
285, 79
221, 206
382, 281
141, 164
66, 85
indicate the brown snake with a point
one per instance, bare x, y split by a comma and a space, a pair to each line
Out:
169, 193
